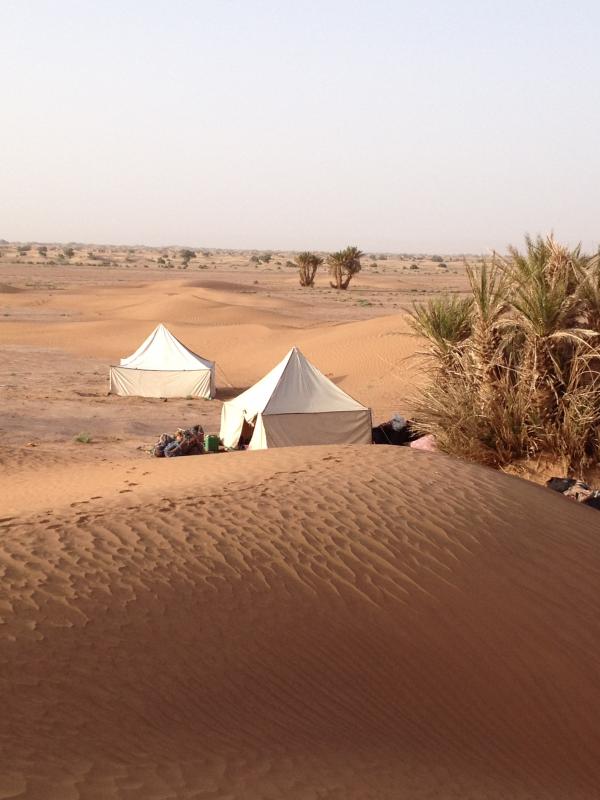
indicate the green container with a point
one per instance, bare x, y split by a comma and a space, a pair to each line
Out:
211, 443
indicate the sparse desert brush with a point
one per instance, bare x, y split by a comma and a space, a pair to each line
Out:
515, 366
83, 438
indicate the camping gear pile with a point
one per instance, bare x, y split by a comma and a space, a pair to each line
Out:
184, 442
163, 367
294, 404
401, 431
575, 490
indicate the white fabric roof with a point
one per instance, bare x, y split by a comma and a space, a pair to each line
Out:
162, 351
294, 386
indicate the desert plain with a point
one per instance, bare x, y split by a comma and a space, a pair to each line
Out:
318, 622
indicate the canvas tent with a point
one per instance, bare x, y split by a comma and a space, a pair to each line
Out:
295, 404
163, 367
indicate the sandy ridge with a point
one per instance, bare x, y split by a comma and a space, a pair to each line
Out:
340, 622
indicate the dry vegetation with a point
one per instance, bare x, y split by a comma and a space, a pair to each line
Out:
514, 365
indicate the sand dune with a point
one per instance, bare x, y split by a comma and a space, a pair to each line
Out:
306, 623
247, 332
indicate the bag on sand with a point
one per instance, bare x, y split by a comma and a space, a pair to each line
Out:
159, 448
575, 490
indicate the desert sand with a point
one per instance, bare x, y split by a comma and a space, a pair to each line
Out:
324, 622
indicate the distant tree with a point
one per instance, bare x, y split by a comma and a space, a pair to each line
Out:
43, 251
308, 264
68, 252
187, 255
161, 261
382, 257
24, 248
343, 265
266, 257
414, 266
437, 259
91, 255
254, 260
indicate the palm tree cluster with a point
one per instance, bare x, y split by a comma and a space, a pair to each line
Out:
343, 266
308, 264
516, 364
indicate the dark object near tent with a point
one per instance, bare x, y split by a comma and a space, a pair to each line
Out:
593, 501
575, 490
397, 431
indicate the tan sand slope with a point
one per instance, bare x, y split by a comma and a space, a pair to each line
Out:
305, 623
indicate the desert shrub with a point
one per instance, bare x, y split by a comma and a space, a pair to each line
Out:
43, 251
515, 366
266, 257
443, 265
68, 252
414, 266
23, 249
83, 438
437, 259
254, 260
161, 261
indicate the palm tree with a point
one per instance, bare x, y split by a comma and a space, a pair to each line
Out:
308, 263
444, 322
489, 303
543, 289
516, 365
343, 265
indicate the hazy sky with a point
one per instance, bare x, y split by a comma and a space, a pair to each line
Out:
400, 126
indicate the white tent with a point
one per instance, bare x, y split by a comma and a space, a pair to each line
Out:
163, 367
295, 404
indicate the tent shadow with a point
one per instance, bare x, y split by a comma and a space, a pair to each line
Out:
229, 392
